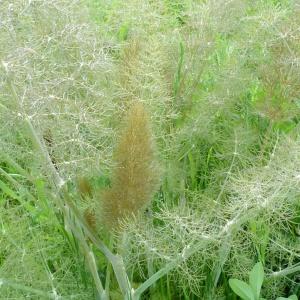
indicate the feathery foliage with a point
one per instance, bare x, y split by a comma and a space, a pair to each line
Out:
219, 81
135, 173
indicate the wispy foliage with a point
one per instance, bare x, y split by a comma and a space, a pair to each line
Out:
219, 81
135, 173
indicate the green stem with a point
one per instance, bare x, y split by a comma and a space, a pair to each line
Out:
108, 269
91, 262
72, 212
286, 272
186, 253
58, 181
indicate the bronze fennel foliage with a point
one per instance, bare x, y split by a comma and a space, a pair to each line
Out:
135, 175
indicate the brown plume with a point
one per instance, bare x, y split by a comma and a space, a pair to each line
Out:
135, 177
84, 188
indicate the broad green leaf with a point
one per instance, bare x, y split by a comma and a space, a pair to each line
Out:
242, 289
256, 278
292, 297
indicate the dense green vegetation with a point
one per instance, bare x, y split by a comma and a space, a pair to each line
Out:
211, 147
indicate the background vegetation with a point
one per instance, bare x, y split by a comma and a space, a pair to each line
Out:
220, 82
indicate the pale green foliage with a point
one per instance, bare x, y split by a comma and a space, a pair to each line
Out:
55, 69
220, 80
34, 254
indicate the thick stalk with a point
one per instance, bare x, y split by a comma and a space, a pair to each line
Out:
115, 260
285, 272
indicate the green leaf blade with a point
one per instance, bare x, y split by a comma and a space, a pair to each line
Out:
242, 289
292, 297
256, 279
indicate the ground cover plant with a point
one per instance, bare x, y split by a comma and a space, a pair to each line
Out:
149, 149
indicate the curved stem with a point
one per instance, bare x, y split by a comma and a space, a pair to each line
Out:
72, 213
